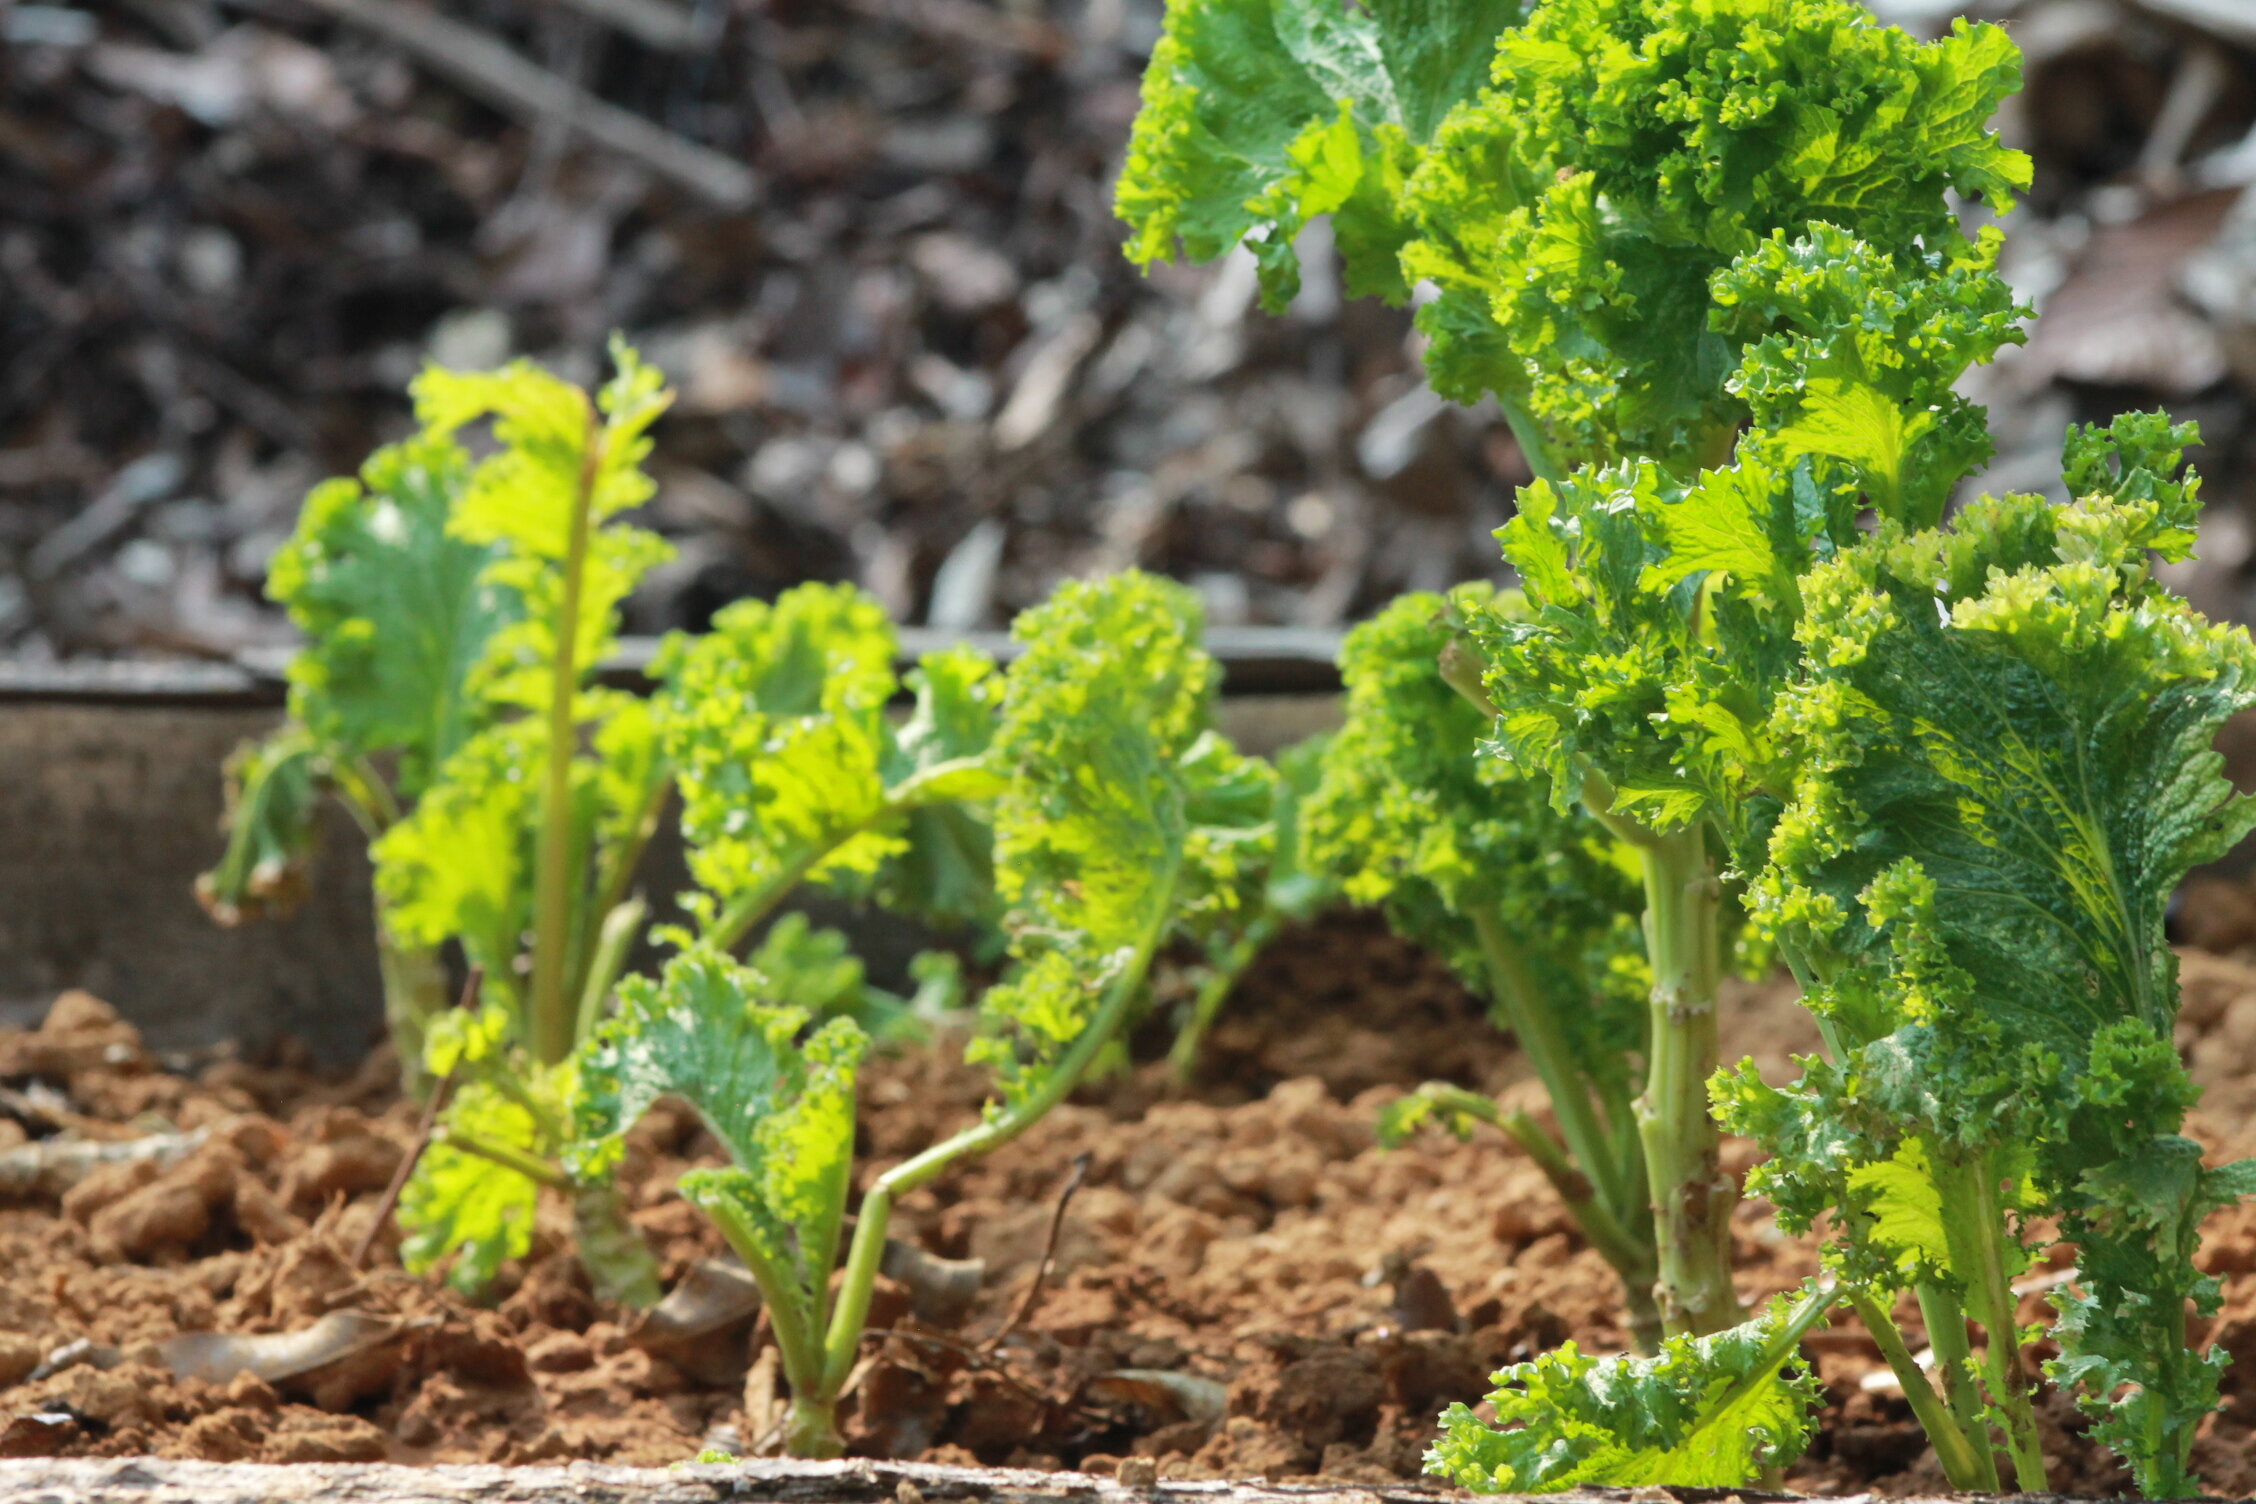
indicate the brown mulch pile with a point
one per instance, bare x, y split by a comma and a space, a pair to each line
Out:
872, 242
1244, 1284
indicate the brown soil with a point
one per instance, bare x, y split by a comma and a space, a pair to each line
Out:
1243, 1284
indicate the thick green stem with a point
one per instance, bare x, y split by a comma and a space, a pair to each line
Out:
365, 795
1598, 799
622, 926
740, 917
1182, 1057
1963, 1451
1692, 1197
415, 992
1533, 446
508, 1156
795, 1322
1528, 1010
810, 1428
1998, 1311
867, 1252
1630, 1255
1462, 669
550, 1022
1945, 1316
795, 1316
2171, 1452
619, 864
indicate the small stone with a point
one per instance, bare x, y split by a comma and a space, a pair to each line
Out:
247, 1391
1137, 1472
19, 1355
560, 1352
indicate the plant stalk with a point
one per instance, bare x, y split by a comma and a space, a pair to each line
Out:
1963, 1452
367, 798
810, 1428
1206, 1007
2171, 1478
794, 1315
1945, 1316
1692, 1197
1528, 1011
1533, 446
622, 926
550, 1018
508, 1156
617, 871
867, 1252
1997, 1310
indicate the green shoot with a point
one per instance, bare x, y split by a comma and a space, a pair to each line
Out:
1122, 821
396, 612
1534, 907
1289, 892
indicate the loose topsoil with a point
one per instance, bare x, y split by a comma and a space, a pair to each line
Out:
1242, 1284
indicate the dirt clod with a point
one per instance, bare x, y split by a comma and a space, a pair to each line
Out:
19, 1355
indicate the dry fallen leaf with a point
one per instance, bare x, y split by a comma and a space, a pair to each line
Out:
275, 1356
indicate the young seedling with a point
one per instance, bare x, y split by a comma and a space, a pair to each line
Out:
1122, 821
1290, 891
774, 727
522, 849
1712, 1411
791, 772
1534, 907
396, 611
1572, 217
781, 1101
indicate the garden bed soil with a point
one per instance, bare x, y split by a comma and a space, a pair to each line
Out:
1242, 1285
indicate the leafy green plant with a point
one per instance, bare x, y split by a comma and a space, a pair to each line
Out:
397, 611
2009, 709
774, 728
792, 773
1699, 252
1290, 891
523, 847
1708, 1411
1534, 907
2040, 750
781, 1102
1577, 187
1122, 820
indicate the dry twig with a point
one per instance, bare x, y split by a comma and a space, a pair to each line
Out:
1033, 1297
507, 80
472, 985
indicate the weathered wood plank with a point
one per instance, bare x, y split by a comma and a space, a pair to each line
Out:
153, 1481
